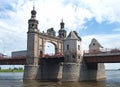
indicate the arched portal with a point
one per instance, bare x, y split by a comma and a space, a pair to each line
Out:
55, 44
49, 48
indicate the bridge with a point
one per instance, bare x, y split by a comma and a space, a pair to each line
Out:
21, 60
103, 56
69, 63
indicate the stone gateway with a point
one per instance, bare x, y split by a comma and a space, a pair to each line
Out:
71, 67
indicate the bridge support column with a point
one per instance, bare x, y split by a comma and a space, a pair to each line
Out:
75, 72
71, 72
50, 70
95, 71
31, 72
83, 71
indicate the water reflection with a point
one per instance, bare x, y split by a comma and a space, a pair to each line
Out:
34, 83
85, 84
16, 80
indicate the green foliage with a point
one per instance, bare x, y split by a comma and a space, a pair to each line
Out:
20, 69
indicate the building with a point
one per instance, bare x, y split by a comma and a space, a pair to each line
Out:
19, 54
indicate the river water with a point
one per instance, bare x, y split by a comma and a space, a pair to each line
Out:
15, 80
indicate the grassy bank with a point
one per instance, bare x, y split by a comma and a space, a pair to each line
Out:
12, 70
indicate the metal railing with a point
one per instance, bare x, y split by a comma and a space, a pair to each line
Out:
56, 55
102, 51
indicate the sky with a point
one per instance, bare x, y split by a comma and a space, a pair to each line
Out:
98, 19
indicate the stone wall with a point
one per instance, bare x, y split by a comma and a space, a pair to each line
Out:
71, 72
49, 70
30, 72
97, 72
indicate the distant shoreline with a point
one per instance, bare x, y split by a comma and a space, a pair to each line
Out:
112, 69
7, 70
14, 70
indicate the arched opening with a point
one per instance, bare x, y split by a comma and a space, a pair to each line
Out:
49, 48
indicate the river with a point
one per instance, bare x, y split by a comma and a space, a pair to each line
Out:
15, 80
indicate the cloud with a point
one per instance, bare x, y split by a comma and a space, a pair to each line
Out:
103, 10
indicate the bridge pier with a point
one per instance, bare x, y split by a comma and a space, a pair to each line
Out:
30, 72
71, 71
49, 70
95, 71
74, 72
83, 72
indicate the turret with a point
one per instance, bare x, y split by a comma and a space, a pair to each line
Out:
72, 57
95, 46
72, 48
62, 31
33, 22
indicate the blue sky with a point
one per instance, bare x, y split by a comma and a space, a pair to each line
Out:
98, 19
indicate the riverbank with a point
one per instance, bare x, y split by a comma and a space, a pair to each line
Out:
12, 70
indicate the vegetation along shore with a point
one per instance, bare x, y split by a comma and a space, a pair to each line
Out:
20, 69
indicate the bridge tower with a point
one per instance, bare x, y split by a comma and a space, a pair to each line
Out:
73, 57
32, 59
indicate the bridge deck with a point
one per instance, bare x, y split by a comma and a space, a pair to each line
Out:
108, 56
22, 61
97, 57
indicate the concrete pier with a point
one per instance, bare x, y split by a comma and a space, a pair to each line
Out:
96, 71
30, 72
50, 70
71, 72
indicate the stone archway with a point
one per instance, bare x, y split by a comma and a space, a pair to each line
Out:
57, 42
54, 43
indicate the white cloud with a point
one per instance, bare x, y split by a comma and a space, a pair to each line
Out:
101, 10
104, 10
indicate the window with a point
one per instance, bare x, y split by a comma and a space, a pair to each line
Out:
73, 56
78, 57
93, 44
78, 47
67, 58
67, 47
32, 25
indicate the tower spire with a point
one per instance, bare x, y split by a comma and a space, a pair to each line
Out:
33, 7
33, 12
62, 24
62, 32
62, 19
33, 22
